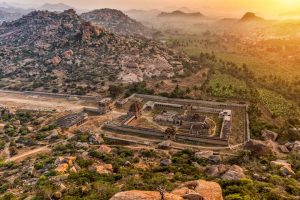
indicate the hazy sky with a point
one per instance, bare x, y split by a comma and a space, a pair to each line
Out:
232, 7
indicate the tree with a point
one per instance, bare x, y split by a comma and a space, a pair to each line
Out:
115, 90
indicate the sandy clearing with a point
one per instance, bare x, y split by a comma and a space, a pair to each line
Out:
36, 102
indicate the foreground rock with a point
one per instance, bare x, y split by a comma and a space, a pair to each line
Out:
235, 172
216, 170
199, 189
284, 167
204, 154
144, 195
105, 149
192, 190
269, 135
293, 146
260, 148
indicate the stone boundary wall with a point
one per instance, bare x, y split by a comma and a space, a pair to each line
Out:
212, 103
180, 137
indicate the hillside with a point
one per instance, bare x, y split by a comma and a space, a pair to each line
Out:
6, 16
180, 14
116, 22
47, 51
249, 16
59, 7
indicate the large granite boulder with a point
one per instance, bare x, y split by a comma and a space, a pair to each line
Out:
192, 190
56, 60
105, 149
284, 167
199, 190
204, 154
257, 147
235, 172
144, 195
293, 146
216, 170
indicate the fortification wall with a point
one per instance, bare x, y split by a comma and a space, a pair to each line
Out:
191, 101
185, 138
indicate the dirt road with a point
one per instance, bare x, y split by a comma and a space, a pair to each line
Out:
36, 102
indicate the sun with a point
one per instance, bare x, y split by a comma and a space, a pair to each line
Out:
290, 3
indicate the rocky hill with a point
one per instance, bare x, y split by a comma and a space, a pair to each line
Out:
50, 51
249, 16
6, 16
116, 22
11, 13
181, 14
59, 7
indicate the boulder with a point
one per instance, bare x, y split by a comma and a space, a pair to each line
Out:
204, 154
206, 190
62, 168
127, 163
57, 195
73, 169
269, 135
165, 144
214, 159
284, 167
68, 54
257, 147
165, 162
212, 171
235, 172
283, 149
216, 170
56, 60
95, 139
103, 169
144, 195
193, 196
296, 147
105, 149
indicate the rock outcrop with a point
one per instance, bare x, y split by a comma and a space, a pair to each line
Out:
284, 167
259, 148
193, 190
144, 195
199, 189
235, 172
269, 135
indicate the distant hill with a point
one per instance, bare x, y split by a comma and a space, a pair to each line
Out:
250, 16
180, 14
59, 7
116, 22
5, 16
8, 14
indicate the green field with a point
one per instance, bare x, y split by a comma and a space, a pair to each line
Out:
276, 104
261, 63
223, 85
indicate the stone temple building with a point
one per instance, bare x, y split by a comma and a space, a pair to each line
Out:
136, 109
194, 123
106, 105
